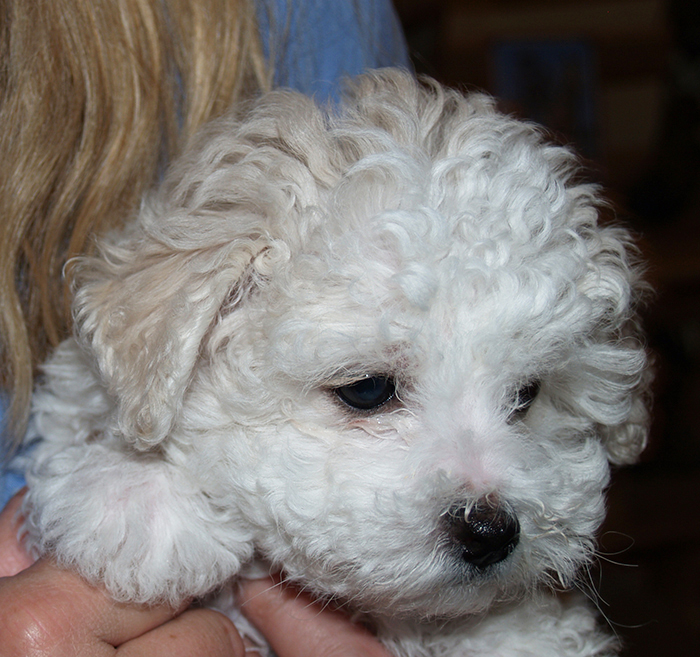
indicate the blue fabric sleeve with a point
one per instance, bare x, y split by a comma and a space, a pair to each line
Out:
11, 482
313, 44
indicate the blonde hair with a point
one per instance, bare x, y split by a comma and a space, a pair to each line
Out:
95, 98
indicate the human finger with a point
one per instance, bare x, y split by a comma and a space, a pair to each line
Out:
13, 557
195, 632
47, 610
297, 626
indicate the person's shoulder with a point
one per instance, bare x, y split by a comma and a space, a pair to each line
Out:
313, 44
10, 482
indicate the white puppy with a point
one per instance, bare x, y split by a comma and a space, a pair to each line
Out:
387, 348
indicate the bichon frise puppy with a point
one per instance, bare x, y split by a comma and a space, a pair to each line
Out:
387, 348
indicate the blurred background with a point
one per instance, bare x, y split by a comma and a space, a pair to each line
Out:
619, 80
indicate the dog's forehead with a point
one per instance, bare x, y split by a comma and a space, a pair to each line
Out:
404, 238
409, 289
491, 196
442, 230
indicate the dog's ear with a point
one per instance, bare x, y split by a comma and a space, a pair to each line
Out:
625, 442
615, 371
144, 305
142, 309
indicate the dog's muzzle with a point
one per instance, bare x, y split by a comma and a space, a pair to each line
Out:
485, 532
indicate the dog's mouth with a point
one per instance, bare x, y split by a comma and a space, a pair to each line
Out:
464, 570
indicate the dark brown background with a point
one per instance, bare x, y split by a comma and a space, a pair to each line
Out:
642, 139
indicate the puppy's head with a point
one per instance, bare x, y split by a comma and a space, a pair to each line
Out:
392, 340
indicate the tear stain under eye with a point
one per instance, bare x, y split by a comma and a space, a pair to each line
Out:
321, 432
393, 426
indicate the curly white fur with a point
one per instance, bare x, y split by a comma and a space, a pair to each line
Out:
416, 234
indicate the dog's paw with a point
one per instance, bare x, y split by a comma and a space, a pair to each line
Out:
131, 522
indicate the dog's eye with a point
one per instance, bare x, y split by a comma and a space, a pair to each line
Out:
524, 398
368, 393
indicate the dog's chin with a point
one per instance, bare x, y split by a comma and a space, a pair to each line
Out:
450, 589
447, 601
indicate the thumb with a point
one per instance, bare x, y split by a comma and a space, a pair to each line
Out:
13, 557
297, 626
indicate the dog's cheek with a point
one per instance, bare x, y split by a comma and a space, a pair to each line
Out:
559, 497
296, 478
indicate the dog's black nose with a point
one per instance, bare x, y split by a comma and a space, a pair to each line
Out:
486, 531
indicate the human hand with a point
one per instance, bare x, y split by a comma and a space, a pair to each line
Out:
45, 610
13, 558
297, 626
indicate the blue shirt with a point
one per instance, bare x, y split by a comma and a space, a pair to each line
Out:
312, 45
